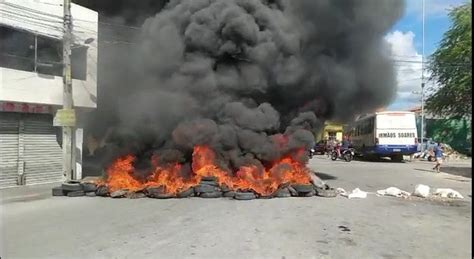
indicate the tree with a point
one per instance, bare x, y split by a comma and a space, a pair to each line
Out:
450, 67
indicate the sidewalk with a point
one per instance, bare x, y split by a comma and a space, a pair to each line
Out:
27, 193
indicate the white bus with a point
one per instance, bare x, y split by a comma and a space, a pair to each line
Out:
385, 134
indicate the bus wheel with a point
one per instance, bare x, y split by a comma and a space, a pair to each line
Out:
397, 158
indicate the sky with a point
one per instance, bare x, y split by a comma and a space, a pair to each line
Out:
405, 40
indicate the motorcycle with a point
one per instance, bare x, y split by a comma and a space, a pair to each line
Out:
311, 153
346, 154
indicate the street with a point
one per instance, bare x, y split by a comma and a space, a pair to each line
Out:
36, 225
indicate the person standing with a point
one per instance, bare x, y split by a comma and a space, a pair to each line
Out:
438, 152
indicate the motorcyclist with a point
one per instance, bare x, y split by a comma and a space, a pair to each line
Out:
344, 145
331, 145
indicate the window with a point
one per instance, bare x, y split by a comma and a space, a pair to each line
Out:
35, 53
49, 56
17, 49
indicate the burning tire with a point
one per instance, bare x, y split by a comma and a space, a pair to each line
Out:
135, 195
211, 183
292, 191
229, 194
211, 195
153, 192
225, 188
243, 196
164, 196
75, 194
91, 194
205, 188
303, 188
89, 187
118, 194
70, 187
102, 191
282, 193
309, 194
186, 193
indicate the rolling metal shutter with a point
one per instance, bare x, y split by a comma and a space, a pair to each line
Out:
9, 148
42, 153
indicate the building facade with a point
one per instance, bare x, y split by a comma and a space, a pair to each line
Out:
331, 130
31, 89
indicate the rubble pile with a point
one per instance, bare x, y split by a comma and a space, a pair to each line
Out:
208, 187
452, 155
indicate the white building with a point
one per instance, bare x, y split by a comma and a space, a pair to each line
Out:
31, 86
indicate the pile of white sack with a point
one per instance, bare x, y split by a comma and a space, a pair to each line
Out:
424, 192
421, 190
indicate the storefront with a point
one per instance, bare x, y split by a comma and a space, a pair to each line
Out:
30, 146
331, 129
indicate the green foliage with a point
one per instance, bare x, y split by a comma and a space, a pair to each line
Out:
456, 133
451, 67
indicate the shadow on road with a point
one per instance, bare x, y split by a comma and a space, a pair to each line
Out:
377, 160
424, 170
460, 171
324, 176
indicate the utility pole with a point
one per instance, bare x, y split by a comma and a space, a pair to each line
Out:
67, 91
423, 77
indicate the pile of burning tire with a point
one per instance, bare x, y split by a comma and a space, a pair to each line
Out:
207, 188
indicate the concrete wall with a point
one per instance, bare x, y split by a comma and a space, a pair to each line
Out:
31, 87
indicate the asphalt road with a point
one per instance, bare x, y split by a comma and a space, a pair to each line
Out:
35, 225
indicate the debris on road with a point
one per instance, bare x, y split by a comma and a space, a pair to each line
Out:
448, 193
327, 192
356, 193
393, 191
421, 190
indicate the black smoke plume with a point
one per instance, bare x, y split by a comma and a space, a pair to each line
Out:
241, 75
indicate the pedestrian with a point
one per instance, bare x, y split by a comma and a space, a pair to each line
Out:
438, 152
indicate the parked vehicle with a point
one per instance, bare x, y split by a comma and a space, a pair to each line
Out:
321, 147
385, 134
347, 154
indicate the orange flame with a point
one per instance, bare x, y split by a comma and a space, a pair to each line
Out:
120, 175
263, 181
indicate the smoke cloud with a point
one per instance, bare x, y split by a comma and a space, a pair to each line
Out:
252, 78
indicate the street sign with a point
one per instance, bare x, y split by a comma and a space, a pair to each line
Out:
65, 117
